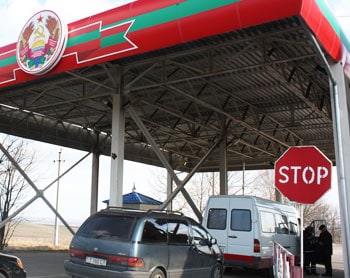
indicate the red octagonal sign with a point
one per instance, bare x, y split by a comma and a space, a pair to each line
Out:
303, 174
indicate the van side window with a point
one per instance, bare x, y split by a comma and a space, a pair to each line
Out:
155, 231
217, 219
178, 232
267, 222
241, 220
282, 224
293, 225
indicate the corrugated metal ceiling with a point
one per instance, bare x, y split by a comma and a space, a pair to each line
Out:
264, 87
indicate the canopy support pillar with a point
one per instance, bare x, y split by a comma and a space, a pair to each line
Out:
223, 165
94, 181
340, 101
341, 124
169, 182
117, 152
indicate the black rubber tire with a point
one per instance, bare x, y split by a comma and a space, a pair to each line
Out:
157, 273
216, 271
268, 273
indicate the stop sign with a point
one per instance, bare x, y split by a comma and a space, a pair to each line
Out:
303, 174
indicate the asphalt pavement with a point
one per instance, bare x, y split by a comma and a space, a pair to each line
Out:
44, 264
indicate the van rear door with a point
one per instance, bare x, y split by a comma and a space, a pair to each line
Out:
240, 231
216, 220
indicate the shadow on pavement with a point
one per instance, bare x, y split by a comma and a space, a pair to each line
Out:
246, 273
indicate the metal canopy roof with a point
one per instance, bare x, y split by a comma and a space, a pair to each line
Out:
264, 86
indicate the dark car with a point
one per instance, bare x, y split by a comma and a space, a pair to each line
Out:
11, 267
119, 242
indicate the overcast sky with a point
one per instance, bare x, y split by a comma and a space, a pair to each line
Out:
13, 16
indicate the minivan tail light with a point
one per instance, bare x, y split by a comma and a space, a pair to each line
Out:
118, 260
256, 245
76, 253
126, 261
135, 262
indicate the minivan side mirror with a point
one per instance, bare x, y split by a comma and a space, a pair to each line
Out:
213, 241
209, 242
202, 242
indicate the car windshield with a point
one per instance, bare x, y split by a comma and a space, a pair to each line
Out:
109, 227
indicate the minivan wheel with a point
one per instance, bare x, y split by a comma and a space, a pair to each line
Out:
216, 271
157, 274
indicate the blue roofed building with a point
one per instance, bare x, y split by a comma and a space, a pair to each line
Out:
137, 200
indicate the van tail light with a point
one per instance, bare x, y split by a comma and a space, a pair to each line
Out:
112, 259
256, 245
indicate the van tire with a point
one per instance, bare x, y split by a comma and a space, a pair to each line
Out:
157, 273
268, 273
216, 271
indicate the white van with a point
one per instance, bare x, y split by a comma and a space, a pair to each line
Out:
246, 226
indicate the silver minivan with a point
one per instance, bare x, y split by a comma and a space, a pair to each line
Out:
118, 242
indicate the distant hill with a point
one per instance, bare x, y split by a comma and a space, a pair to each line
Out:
36, 236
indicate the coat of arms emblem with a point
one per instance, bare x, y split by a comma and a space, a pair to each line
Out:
41, 43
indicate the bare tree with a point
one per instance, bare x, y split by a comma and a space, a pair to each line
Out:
12, 185
256, 183
201, 187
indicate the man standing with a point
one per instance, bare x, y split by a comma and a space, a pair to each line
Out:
325, 241
309, 251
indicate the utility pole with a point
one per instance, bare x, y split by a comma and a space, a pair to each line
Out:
243, 176
57, 195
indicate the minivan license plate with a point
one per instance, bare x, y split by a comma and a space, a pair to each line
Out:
96, 261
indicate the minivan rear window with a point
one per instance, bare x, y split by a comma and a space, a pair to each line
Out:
109, 227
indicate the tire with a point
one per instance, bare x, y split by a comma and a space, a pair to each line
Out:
268, 273
216, 271
157, 273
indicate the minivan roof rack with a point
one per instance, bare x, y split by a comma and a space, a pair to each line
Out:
165, 211
125, 209
145, 211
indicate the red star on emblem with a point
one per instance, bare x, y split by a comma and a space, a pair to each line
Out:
40, 19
